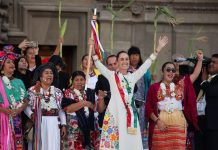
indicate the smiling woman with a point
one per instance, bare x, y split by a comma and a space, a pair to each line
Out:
168, 104
45, 109
120, 128
13, 100
82, 117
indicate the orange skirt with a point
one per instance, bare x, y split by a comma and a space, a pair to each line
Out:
174, 138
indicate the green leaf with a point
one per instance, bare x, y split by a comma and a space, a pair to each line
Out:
110, 9
126, 5
157, 13
63, 29
154, 66
59, 13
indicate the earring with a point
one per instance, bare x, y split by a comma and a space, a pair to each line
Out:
2, 72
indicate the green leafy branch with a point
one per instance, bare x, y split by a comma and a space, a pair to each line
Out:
198, 38
115, 14
167, 13
62, 27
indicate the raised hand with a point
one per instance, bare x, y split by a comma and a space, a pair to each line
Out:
199, 54
24, 44
163, 40
91, 42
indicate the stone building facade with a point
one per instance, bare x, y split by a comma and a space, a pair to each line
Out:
38, 20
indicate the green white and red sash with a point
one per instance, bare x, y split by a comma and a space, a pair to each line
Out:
131, 118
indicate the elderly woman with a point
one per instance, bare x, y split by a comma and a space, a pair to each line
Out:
45, 109
120, 126
12, 102
82, 123
168, 104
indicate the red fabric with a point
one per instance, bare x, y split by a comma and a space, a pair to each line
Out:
45, 60
189, 103
129, 118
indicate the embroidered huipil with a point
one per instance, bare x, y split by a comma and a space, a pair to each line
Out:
16, 93
75, 136
114, 131
52, 116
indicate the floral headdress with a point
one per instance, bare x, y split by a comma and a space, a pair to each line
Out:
7, 53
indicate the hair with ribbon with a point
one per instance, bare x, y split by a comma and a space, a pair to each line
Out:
7, 53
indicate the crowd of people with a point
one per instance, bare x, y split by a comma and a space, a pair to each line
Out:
42, 107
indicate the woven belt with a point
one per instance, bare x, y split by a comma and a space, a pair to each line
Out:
52, 112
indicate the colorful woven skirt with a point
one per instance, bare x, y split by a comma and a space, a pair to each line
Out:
174, 137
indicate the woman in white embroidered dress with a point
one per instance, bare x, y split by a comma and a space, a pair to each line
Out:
120, 126
45, 109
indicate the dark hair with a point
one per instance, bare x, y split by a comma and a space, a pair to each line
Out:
28, 48
215, 55
18, 60
78, 73
57, 60
110, 56
166, 63
120, 52
135, 50
38, 73
85, 56
74, 75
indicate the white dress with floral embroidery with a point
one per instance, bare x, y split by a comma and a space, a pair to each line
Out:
114, 131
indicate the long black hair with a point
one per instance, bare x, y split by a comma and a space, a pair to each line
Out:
135, 50
75, 74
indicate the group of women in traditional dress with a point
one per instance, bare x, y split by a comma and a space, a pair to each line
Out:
65, 116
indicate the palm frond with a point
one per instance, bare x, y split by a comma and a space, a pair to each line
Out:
63, 29
202, 39
59, 13
115, 14
126, 5
196, 37
154, 66
110, 9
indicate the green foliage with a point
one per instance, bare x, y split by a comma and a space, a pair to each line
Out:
167, 13
63, 29
115, 15
198, 38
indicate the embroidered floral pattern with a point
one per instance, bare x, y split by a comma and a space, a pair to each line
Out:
13, 93
110, 134
74, 135
48, 103
173, 90
77, 96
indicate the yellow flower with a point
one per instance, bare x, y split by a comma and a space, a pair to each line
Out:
106, 117
105, 128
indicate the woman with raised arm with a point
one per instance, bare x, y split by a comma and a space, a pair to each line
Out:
120, 126
169, 105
